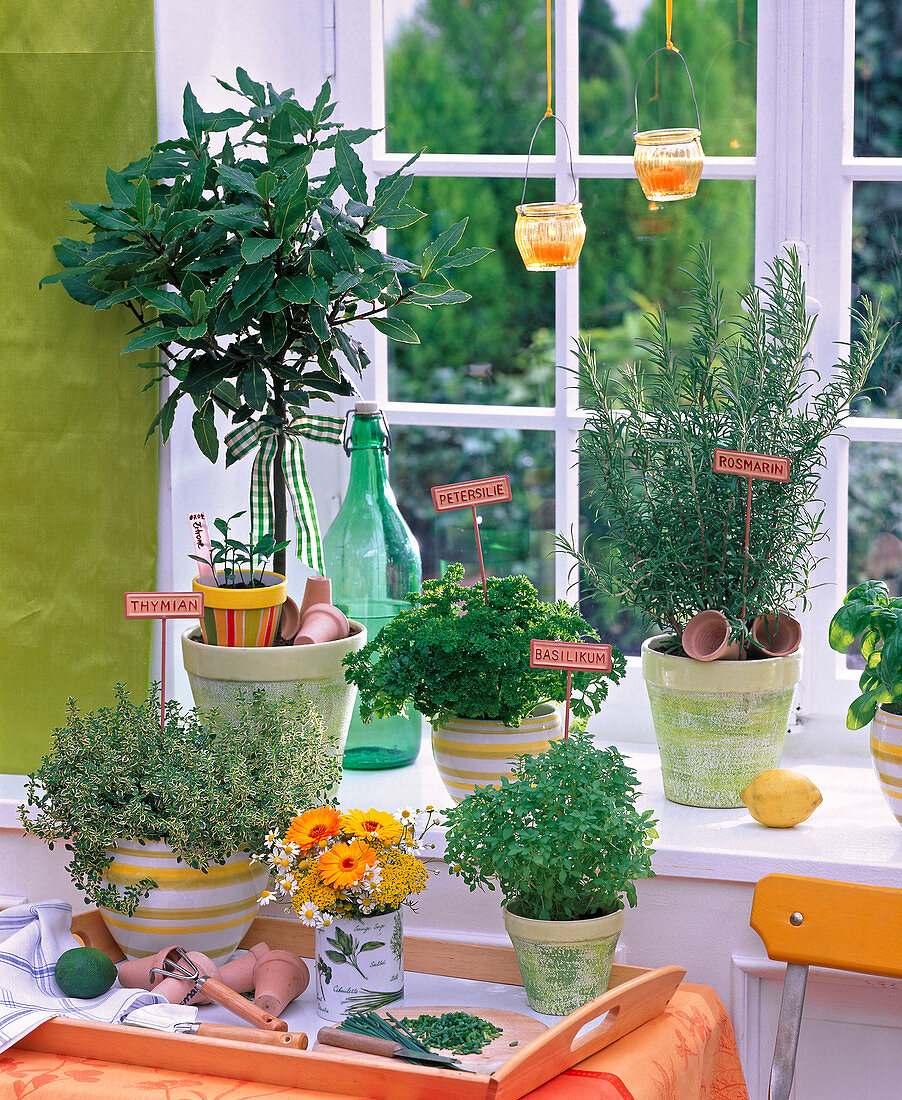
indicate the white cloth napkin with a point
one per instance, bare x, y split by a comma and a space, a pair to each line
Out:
32, 938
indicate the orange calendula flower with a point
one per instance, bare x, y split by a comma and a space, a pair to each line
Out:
314, 827
372, 825
345, 864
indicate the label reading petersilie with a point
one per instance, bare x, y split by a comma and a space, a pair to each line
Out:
745, 464
575, 656
472, 494
164, 605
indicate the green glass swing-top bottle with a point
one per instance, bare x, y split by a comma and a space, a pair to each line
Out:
374, 562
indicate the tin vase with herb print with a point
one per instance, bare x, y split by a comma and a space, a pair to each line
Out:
359, 964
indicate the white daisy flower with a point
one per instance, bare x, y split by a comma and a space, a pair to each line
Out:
266, 897
309, 914
326, 919
407, 815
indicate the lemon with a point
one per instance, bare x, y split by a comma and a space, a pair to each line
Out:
780, 798
84, 972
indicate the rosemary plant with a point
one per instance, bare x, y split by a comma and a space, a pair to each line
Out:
205, 786
674, 541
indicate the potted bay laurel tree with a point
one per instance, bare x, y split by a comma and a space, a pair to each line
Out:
673, 541
243, 251
565, 843
160, 823
870, 614
461, 658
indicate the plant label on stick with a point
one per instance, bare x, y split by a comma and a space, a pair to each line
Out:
750, 466
571, 657
200, 537
745, 464
469, 494
163, 606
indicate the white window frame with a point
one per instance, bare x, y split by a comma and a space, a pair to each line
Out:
803, 173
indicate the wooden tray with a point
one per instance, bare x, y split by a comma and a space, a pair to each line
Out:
636, 995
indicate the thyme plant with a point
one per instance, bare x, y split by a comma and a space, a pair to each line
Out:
675, 529
206, 787
565, 841
458, 653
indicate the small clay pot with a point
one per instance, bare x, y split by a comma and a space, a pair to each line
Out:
317, 590
279, 977
776, 634
706, 637
135, 973
289, 620
238, 974
179, 991
322, 623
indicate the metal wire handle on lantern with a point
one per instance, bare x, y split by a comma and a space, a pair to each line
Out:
669, 162
549, 235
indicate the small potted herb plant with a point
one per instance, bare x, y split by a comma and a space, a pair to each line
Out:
565, 844
132, 801
242, 599
461, 658
676, 527
870, 614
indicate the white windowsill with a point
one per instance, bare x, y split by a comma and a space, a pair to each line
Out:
852, 836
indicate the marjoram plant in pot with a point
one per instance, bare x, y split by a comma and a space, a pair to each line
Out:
565, 843
674, 530
244, 252
160, 822
869, 612
461, 658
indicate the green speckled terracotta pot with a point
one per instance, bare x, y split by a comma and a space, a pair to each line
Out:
218, 674
718, 723
564, 964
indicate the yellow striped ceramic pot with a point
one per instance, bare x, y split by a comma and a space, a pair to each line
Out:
242, 616
477, 752
886, 755
201, 912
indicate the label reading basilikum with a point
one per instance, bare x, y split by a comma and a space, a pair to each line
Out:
575, 656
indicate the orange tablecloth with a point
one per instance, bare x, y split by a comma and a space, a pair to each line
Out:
687, 1053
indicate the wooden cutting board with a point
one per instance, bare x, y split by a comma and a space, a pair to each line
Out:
515, 1028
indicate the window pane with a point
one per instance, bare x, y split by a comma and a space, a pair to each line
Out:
878, 78
717, 39
517, 537
465, 77
876, 272
631, 262
498, 348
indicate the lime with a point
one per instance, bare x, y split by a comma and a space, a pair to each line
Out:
84, 972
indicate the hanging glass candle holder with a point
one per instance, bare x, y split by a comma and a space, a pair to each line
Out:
549, 235
668, 163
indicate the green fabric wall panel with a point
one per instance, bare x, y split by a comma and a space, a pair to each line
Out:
78, 518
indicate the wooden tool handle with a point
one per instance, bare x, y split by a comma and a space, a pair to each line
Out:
351, 1040
296, 1041
241, 1006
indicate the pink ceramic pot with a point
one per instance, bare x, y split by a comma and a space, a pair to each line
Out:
135, 973
776, 634
280, 977
238, 974
322, 623
706, 638
178, 991
317, 590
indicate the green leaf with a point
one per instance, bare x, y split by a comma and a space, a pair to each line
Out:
193, 117
193, 190
343, 282
446, 298
466, 258
216, 121
848, 622
143, 204
122, 191
167, 301
435, 253
398, 219
238, 180
126, 294
107, 218
266, 184
371, 945
255, 249
165, 417
150, 337
395, 329
341, 250
290, 203
297, 289
203, 423
81, 290
319, 322
251, 88
350, 168
252, 280
273, 332
222, 284
192, 332
336, 956
863, 709
252, 386
204, 375
322, 100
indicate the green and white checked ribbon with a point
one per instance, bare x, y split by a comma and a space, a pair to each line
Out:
240, 442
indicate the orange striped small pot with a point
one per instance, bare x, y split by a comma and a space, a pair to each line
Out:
245, 617
207, 912
477, 752
886, 756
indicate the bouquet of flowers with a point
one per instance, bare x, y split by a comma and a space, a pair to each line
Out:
357, 864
